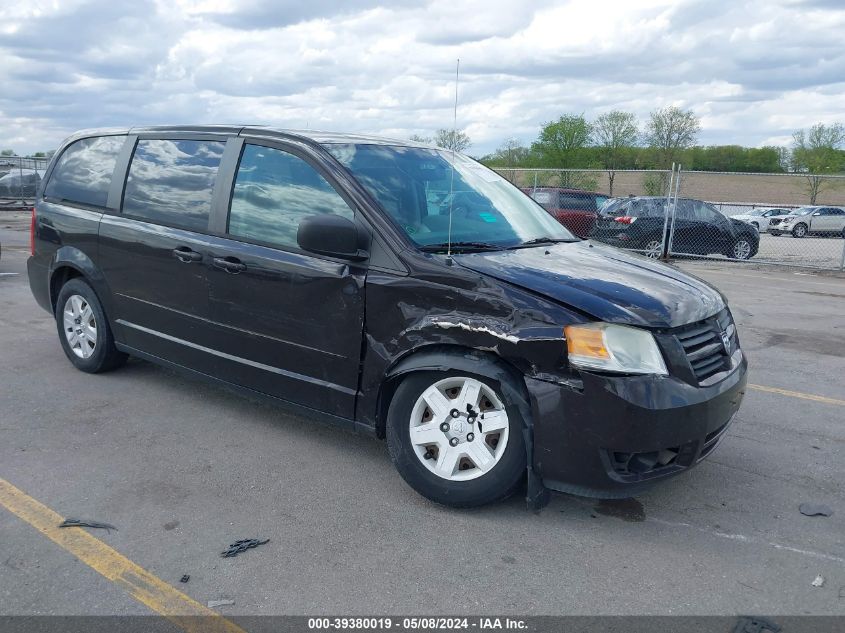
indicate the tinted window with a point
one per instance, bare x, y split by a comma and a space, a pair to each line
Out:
83, 172
705, 213
685, 210
274, 191
170, 182
577, 201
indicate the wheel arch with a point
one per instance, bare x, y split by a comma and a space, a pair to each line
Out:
440, 357
69, 263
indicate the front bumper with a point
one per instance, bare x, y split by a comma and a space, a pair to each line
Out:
619, 434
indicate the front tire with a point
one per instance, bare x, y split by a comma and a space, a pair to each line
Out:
742, 249
84, 331
454, 439
799, 230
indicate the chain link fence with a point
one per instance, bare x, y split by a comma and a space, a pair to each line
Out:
790, 219
19, 180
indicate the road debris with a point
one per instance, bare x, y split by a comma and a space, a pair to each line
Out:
241, 546
86, 523
225, 602
756, 625
185, 578
815, 509
818, 582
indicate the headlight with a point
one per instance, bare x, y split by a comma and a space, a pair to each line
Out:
616, 348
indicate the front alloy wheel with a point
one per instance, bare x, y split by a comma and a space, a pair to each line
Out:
742, 249
459, 428
800, 230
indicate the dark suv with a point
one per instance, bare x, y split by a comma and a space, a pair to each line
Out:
699, 229
324, 272
576, 209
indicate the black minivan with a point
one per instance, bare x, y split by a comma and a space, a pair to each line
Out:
397, 289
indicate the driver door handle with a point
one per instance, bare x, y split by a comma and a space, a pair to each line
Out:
186, 255
229, 264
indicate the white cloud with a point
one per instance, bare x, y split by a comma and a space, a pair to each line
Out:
753, 71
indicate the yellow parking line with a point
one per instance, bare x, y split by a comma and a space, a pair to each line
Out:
798, 394
133, 579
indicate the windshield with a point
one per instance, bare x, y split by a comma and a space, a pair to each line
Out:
413, 186
804, 211
756, 212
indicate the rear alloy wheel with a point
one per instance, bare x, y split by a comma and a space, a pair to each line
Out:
800, 230
80, 326
653, 249
742, 249
84, 330
453, 439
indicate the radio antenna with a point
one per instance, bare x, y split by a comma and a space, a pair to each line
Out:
454, 140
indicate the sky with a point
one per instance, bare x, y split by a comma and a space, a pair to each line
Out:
754, 72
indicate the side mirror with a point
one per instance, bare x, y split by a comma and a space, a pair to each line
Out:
332, 235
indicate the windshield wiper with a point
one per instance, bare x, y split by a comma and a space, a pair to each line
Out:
544, 240
460, 246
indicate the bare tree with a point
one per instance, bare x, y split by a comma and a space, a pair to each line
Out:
816, 152
426, 140
670, 130
614, 133
452, 139
510, 155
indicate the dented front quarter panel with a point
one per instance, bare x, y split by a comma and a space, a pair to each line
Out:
442, 306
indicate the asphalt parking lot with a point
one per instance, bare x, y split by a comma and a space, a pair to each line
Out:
183, 469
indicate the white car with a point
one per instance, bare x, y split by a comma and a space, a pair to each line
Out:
760, 218
812, 221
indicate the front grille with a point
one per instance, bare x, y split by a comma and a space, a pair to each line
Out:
774, 221
704, 346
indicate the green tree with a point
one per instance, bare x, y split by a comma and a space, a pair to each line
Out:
7, 152
615, 134
816, 152
562, 144
669, 131
452, 139
39, 155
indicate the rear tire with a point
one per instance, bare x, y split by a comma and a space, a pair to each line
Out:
84, 331
466, 464
799, 230
653, 248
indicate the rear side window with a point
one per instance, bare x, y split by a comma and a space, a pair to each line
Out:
577, 201
84, 170
171, 182
274, 191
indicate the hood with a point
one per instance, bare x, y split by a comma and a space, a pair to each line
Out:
741, 224
604, 282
